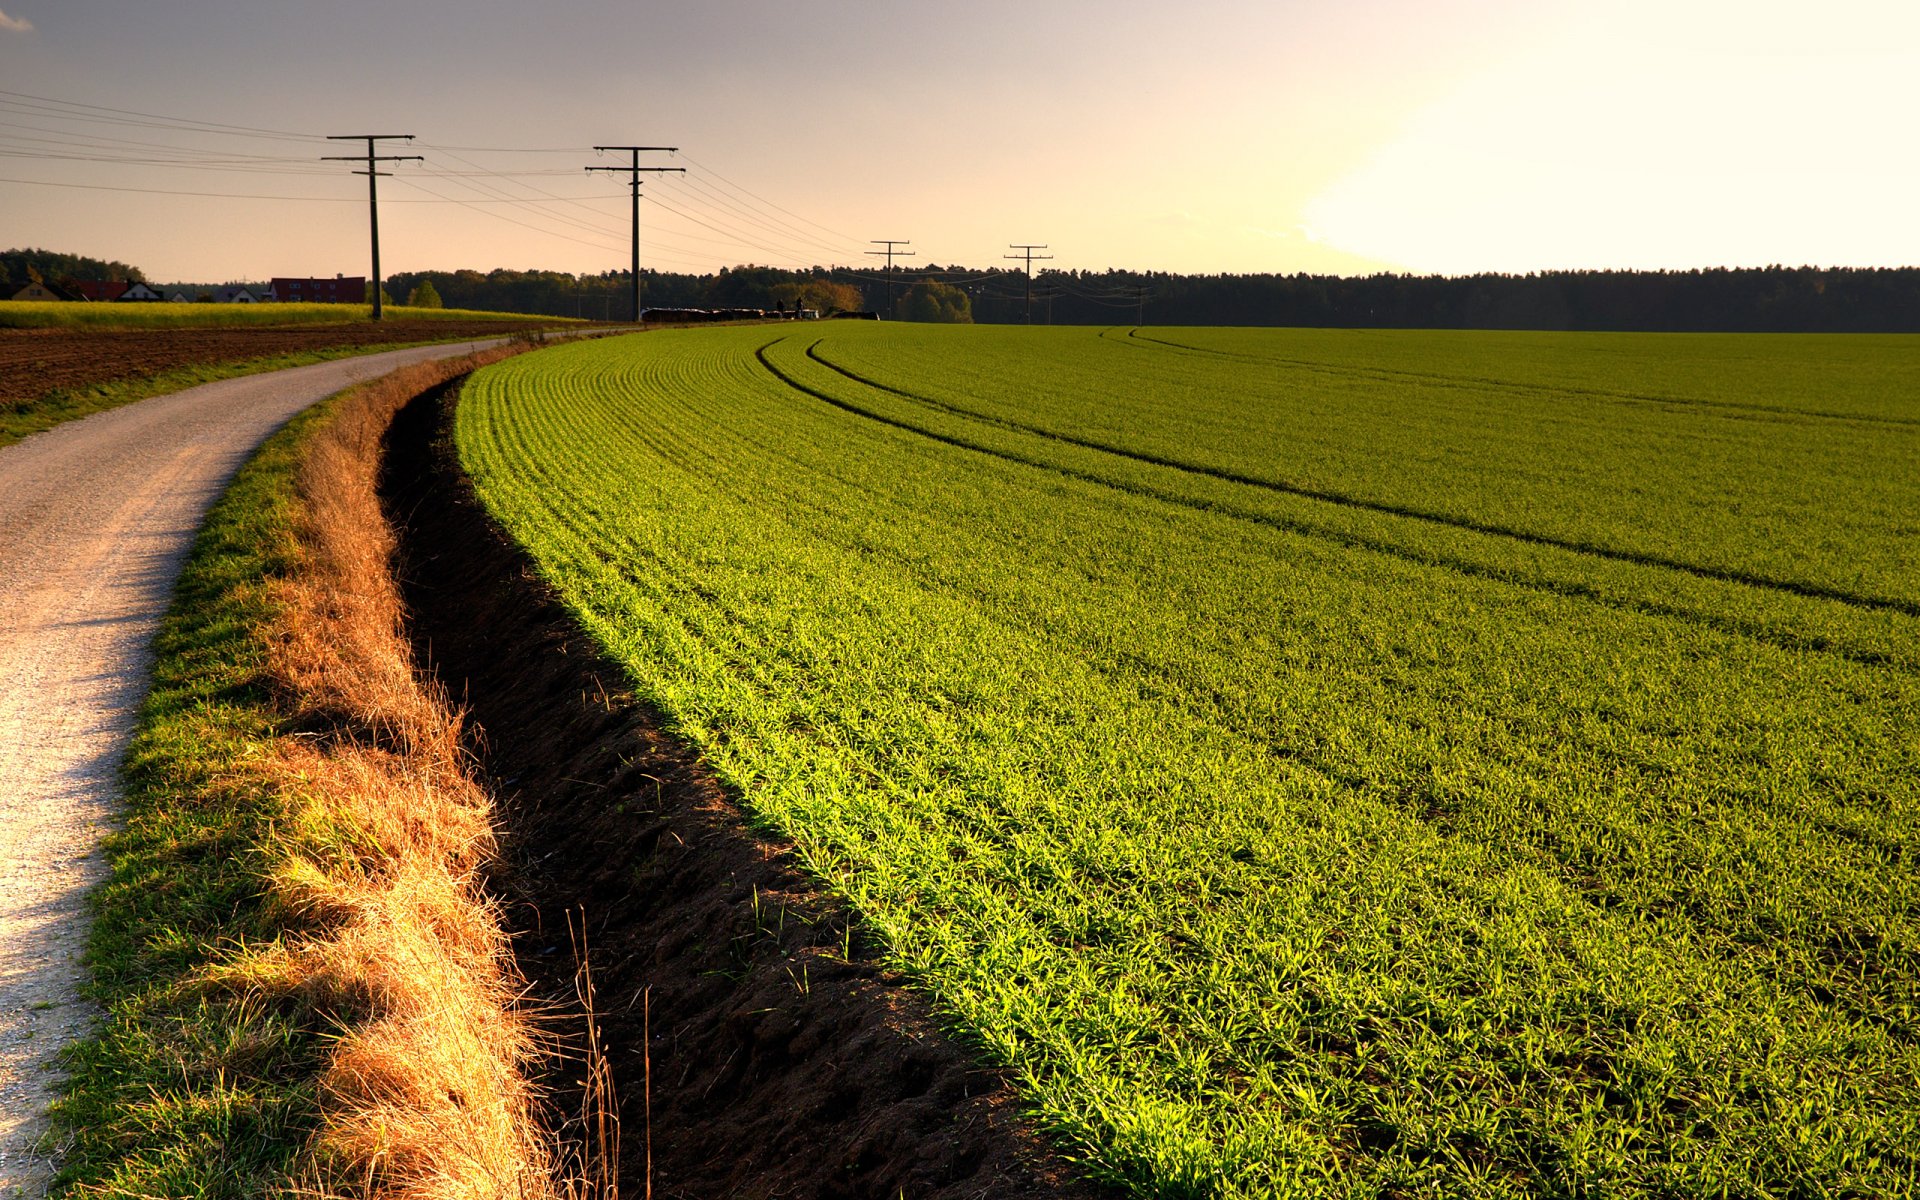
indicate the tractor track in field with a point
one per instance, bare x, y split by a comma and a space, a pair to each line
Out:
1810, 591
784, 1060
1731, 409
1750, 630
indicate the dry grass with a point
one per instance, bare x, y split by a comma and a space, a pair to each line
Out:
426, 1093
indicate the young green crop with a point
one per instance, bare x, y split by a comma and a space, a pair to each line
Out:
1315, 763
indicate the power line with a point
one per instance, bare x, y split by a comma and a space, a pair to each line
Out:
1027, 254
475, 205
892, 248
373, 173
782, 230
104, 187
634, 171
846, 239
732, 237
61, 110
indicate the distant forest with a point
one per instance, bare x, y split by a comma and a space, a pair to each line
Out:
23, 266
1761, 299
1765, 299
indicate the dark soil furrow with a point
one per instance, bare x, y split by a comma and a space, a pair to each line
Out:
785, 1061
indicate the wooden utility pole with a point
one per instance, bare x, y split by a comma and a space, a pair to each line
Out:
373, 174
891, 245
1027, 254
634, 170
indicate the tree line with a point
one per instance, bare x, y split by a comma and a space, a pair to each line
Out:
1760, 299
23, 266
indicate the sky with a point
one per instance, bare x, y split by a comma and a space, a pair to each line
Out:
1445, 136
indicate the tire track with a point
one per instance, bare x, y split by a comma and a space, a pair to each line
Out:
1812, 591
1482, 383
1752, 631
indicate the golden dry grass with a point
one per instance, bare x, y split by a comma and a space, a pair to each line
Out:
378, 866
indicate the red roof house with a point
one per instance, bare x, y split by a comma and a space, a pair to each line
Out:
341, 289
97, 289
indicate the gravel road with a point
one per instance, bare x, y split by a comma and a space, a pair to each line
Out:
95, 520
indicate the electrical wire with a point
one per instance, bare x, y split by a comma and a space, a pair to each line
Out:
101, 187
768, 203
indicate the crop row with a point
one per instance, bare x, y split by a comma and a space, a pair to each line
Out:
1280, 837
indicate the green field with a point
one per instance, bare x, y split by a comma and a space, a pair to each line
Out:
1315, 762
45, 314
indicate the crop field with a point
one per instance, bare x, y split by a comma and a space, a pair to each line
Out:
1312, 762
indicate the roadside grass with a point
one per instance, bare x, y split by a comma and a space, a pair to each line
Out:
189, 1089
46, 314
304, 988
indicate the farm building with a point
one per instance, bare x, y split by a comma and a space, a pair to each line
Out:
341, 289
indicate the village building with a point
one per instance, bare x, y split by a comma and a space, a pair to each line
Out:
97, 290
36, 291
104, 290
341, 289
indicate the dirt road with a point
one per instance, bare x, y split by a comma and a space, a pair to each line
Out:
95, 519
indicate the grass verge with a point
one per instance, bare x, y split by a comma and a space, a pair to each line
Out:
305, 987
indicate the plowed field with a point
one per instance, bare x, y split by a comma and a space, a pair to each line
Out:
34, 362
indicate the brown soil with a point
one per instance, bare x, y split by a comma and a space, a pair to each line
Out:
778, 1066
34, 362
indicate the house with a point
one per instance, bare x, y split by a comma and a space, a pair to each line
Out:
341, 289
179, 298
234, 293
140, 292
36, 291
97, 290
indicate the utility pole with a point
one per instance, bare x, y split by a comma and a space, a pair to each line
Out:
1027, 253
1143, 305
634, 170
892, 249
373, 174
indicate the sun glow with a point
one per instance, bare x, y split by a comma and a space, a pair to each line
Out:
1643, 137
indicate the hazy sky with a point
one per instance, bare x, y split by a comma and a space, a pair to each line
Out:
1216, 135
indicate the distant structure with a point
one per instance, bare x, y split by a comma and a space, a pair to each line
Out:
98, 290
112, 290
235, 293
704, 316
36, 291
341, 289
